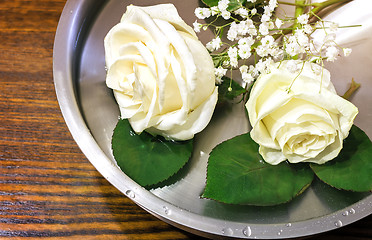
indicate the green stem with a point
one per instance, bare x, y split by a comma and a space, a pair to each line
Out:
300, 7
320, 6
353, 87
292, 4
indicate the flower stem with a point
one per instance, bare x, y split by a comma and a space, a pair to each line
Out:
320, 6
292, 4
353, 87
300, 7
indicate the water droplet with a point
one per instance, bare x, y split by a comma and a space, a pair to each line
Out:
227, 231
338, 223
345, 213
167, 211
130, 194
71, 12
202, 154
247, 231
288, 225
352, 211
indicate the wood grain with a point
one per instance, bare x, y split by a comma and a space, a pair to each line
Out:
48, 188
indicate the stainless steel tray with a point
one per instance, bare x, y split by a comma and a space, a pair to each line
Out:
91, 113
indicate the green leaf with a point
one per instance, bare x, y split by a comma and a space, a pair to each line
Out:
236, 174
233, 4
258, 3
352, 168
210, 3
146, 159
224, 93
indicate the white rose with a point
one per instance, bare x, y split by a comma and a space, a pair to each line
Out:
161, 74
305, 124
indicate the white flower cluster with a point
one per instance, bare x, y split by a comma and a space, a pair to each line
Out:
315, 49
269, 39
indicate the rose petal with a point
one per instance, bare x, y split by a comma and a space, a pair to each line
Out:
119, 71
180, 49
169, 87
299, 115
197, 120
122, 34
202, 83
143, 51
271, 156
166, 12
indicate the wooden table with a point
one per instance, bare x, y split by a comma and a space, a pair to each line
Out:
47, 187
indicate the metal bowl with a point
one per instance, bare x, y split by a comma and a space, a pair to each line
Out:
91, 114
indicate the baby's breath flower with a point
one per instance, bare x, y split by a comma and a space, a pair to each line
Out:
297, 43
317, 69
214, 44
247, 41
253, 11
331, 53
273, 4
203, 13
267, 14
302, 39
243, 68
308, 29
267, 10
265, 18
223, 4
246, 76
243, 12
329, 39
293, 66
303, 19
264, 28
249, 36
267, 44
267, 40
219, 73
263, 66
232, 34
225, 14
244, 51
253, 71
333, 27
247, 79
252, 31
233, 56
215, 10
278, 22
291, 46
277, 53
197, 26
347, 51
244, 27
